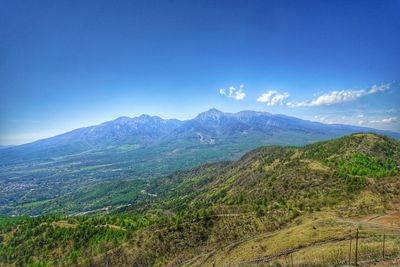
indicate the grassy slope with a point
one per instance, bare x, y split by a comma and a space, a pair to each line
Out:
317, 175
272, 200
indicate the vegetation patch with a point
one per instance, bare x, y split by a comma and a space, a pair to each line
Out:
363, 165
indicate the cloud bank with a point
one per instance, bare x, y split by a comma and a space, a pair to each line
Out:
337, 97
385, 120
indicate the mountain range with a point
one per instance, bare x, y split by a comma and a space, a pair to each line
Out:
36, 176
210, 127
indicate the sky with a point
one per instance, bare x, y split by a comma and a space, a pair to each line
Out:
70, 64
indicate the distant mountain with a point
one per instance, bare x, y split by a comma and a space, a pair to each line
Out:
141, 149
214, 124
208, 127
139, 131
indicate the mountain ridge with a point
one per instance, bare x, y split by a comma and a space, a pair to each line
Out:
211, 113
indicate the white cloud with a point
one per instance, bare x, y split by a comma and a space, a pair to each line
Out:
334, 97
384, 120
324, 119
389, 120
233, 92
378, 122
379, 88
273, 98
337, 97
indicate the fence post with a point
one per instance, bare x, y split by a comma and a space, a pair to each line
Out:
291, 258
357, 247
383, 246
350, 251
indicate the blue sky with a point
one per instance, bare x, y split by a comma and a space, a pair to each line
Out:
68, 64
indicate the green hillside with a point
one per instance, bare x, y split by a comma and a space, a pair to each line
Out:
276, 205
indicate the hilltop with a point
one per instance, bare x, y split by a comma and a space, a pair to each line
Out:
302, 199
329, 171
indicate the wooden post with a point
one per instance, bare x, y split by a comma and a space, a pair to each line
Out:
357, 247
383, 246
350, 251
291, 258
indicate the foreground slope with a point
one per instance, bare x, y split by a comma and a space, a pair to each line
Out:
273, 202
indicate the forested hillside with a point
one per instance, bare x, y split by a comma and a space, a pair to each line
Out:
274, 202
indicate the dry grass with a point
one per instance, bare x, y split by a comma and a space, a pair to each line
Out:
64, 224
318, 240
317, 166
365, 203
